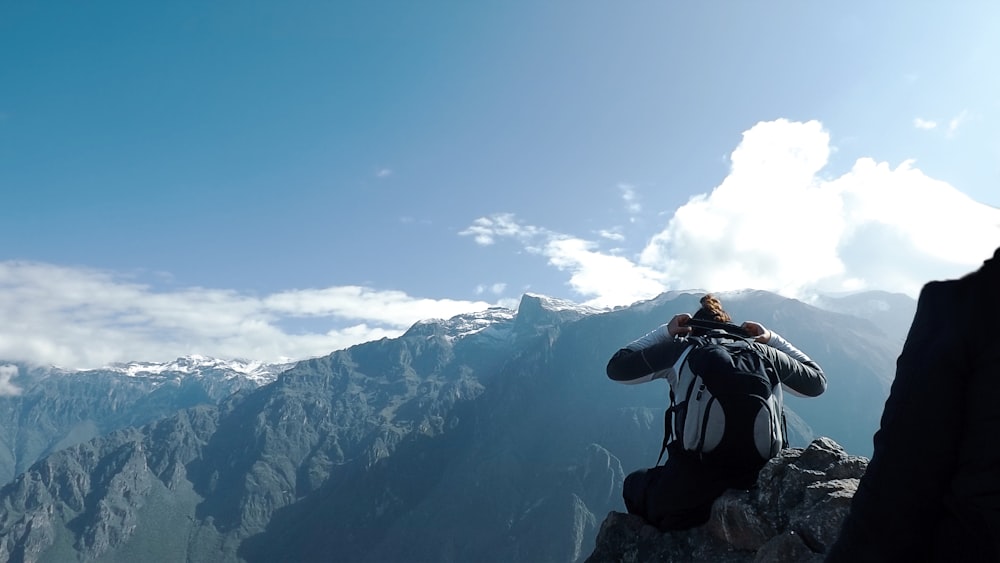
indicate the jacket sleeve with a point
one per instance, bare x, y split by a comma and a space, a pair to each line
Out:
645, 359
901, 496
796, 371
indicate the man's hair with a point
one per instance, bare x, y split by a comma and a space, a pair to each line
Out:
711, 310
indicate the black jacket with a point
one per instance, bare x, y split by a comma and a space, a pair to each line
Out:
932, 488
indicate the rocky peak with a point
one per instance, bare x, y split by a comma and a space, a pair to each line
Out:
494, 319
200, 366
539, 312
794, 513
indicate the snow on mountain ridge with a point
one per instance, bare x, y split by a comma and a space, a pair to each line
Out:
494, 319
465, 324
197, 365
556, 304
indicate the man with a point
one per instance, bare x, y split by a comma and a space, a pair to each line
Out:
932, 488
679, 494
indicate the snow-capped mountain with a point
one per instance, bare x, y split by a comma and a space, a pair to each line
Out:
495, 320
498, 322
203, 366
44, 410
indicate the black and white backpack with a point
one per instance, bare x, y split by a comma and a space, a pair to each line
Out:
727, 403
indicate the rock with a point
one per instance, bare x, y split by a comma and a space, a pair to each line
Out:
793, 514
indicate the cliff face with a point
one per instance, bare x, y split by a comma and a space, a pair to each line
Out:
793, 514
55, 409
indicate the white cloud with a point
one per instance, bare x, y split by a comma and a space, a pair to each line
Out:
768, 225
630, 198
957, 122
777, 223
604, 279
611, 234
495, 289
952, 127
486, 230
774, 223
77, 317
8, 389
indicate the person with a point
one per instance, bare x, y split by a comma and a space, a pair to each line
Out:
679, 494
932, 488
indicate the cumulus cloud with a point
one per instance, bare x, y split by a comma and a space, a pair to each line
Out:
606, 280
77, 317
778, 223
8, 389
925, 124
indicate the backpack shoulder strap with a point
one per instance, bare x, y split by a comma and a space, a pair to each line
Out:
668, 424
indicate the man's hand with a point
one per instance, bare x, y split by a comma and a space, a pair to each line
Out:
678, 325
757, 331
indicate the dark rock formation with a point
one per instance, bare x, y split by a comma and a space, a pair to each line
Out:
793, 514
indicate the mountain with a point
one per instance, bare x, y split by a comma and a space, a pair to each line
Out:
891, 312
48, 409
489, 437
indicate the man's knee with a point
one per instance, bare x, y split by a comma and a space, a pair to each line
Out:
634, 491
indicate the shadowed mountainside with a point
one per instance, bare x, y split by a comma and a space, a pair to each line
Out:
50, 409
494, 438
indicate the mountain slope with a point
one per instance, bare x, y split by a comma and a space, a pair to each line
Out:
55, 408
500, 442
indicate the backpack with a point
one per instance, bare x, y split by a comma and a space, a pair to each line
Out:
727, 405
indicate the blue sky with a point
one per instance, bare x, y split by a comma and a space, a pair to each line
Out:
278, 180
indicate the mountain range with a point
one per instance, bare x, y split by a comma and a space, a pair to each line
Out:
47, 409
486, 437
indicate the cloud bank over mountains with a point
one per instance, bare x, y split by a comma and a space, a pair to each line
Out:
83, 318
778, 221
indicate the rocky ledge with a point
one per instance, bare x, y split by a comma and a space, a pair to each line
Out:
792, 514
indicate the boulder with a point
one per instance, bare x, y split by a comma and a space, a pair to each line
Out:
793, 513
